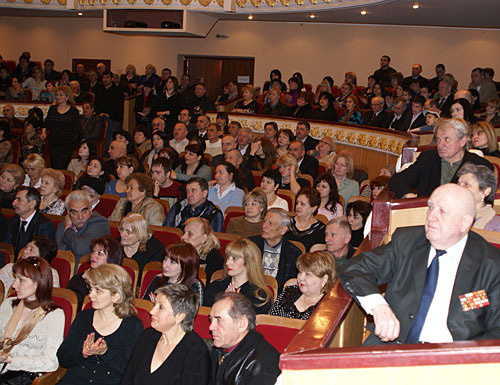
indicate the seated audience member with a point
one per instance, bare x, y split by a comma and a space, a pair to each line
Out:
462, 109
377, 117
248, 354
244, 140
378, 184
95, 188
222, 121
484, 138
49, 94
79, 96
338, 240
180, 140
192, 165
357, 213
86, 151
244, 177
170, 350
195, 205
94, 170
142, 139
345, 91
6, 155
343, 171
255, 205
28, 220
399, 116
39, 247
279, 255
180, 266
50, 190
91, 125
315, 278
306, 163
225, 193
285, 137
139, 199
80, 76
303, 109
11, 177
330, 205
248, 105
146, 105
325, 151
5, 81
125, 166
492, 113
262, 154
274, 106
101, 340
416, 117
431, 120
304, 227
436, 167
386, 170
138, 241
117, 149
244, 274
159, 141
104, 250
213, 143
408, 254
482, 183
164, 187
228, 143
293, 90
185, 117
325, 110
352, 114
289, 170
158, 124
269, 184
275, 75
31, 142
199, 104
271, 132
9, 113
31, 324
33, 165
485, 87
130, 77
80, 225
125, 137
16, 92
198, 233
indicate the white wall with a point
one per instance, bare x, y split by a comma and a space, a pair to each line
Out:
314, 49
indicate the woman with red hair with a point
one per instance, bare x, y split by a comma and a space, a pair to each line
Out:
31, 325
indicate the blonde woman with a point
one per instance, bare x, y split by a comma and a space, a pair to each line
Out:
138, 241
243, 273
50, 190
248, 105
289, 170
316, 277
255, 205
197, 232
101, 340
343, 170
33, 165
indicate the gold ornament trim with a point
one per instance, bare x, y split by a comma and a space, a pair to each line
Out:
167, 2
185, 2
256, 3
271, 3
241, 3
220, 3
285, 3
205, 3
62, 2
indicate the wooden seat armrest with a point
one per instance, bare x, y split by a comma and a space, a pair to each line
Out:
50, 378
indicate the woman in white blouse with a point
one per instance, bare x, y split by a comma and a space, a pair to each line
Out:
270, 183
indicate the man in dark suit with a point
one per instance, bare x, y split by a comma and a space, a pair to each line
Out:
338, 236
79, 95
28, 220
443, 281
307, 164
445, 98
377, 117
246, 177
416, 71
436, 167
302, 133
416, 118
275, 107
399, 116
279, 256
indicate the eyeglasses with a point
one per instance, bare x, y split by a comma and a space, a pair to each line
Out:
35, 262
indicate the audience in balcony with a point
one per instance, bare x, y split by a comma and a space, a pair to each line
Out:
352, 114
248, 105
274, 106
325, 110
316, 276
35, 83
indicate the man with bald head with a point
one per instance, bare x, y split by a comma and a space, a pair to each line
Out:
236, 159
463, 94
228, 144
443, 280
9, 113
378, 116
117, 149
416, 74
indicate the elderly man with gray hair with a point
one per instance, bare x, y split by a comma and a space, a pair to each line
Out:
80, 225
436, 167
240, 354
279, 255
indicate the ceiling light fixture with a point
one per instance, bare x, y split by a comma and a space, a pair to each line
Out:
363, 12
250, 17
416, 6
312, 15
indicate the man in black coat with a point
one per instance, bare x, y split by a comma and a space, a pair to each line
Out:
302, 133
307, 164
399, 116
275, 107
436, 167
446, 99
377, 117
199, 103
241, 355
279, 256
28, 220
443, 280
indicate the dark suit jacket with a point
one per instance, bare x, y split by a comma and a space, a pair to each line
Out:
39, 225
82, 97
402, 264
381, 120
310, 143
309, 166
425, 174
419, 122
445, 107
398, 124
288, 258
